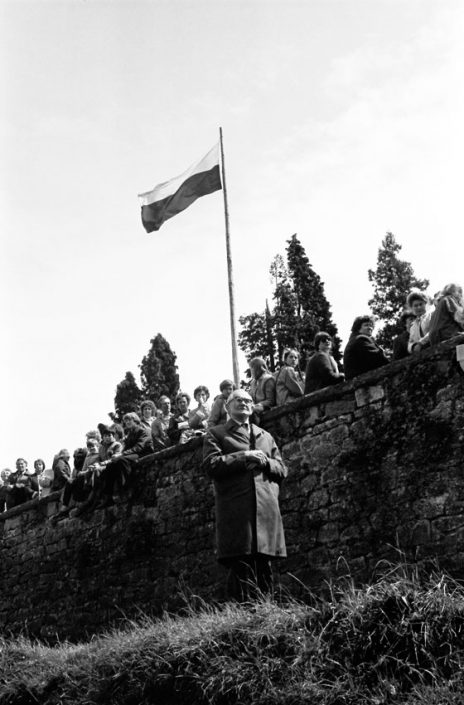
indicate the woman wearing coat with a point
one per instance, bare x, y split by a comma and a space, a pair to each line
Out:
262, 386
362, 352
247, 469
289, 381
448, 318
322, 370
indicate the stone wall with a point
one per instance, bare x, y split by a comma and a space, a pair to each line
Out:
375, 474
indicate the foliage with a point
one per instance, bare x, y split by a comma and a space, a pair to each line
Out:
393, 280
158, 370
312, 307
127, 397
399, 641
300, 311
253, 339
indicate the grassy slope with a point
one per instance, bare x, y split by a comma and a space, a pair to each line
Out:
393, 642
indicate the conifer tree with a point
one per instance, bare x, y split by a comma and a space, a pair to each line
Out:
312, 308
300, 311
285, 318
127, 397
158, 370
393, 280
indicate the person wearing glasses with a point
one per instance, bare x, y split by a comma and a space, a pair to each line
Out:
246, 468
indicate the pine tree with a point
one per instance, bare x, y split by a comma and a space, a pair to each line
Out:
300, 311
393, 279
284, 316
312, 308
158, 370
127, 397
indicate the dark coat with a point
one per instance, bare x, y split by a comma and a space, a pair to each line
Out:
248, 518
138, 443
443, 324
320, 373
400, 346
20, 489
61, 474
361, 355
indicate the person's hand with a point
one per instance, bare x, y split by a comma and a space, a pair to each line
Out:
256, 457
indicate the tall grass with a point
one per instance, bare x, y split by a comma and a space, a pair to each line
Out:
397, 641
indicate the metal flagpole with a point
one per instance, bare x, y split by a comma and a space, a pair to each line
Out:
229, 271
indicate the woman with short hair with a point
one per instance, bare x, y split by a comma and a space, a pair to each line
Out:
322, 370
289, 381
362, 352
147, 413
417, 302
198, 418
218, 415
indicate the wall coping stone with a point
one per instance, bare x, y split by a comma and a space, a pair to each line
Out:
321, 396
371, 378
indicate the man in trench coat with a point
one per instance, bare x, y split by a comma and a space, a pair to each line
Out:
247, 469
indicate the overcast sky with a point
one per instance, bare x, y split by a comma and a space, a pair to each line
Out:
342, 120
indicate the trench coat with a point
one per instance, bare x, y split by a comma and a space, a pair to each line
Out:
248, 520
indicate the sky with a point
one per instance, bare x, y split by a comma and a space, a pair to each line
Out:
342, 120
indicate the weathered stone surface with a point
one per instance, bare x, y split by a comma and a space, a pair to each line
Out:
368, 395
364, 486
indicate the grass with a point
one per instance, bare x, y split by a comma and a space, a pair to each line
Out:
398, 641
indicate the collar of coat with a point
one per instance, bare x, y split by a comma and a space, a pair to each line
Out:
231, 424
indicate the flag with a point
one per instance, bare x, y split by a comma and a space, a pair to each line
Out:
172, 197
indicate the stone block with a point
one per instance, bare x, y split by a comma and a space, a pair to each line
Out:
311, 417
430, 507
13, 523
328, 533
291, 452
421, 532
443, 411
318, 499
368, 395
332, 476
338, 407
325, 426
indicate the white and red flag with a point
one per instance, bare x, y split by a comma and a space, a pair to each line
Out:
173, 196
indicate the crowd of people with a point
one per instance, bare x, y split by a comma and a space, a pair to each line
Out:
102, 470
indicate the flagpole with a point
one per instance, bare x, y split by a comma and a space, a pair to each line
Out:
229, 271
